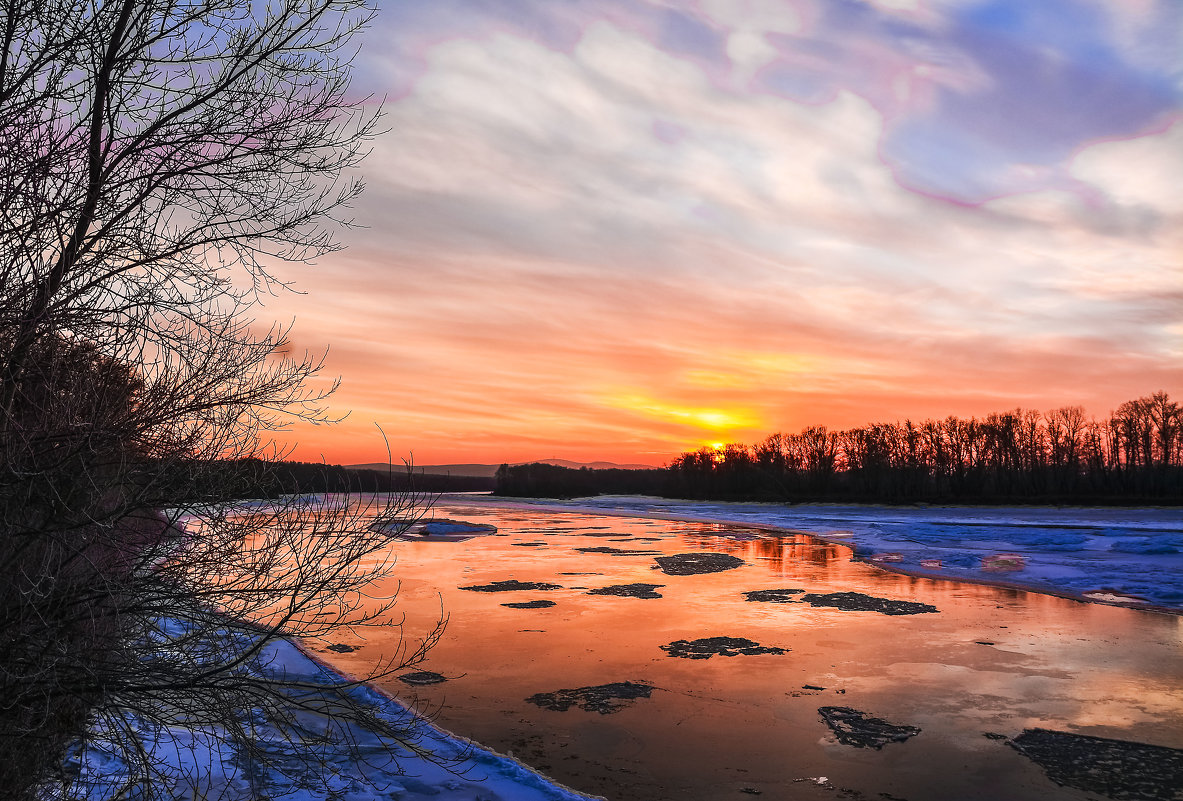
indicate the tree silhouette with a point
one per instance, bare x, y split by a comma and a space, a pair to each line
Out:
158, 160
1134, 455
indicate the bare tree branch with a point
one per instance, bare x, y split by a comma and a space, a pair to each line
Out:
158, 159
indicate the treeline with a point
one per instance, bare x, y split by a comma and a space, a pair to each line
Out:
254, 478
541, 480
1021, 456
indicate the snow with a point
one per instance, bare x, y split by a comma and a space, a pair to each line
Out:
1131, 556
352, 763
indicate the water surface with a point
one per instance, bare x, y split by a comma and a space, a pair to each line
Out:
991, 661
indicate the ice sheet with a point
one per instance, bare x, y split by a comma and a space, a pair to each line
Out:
1114, 555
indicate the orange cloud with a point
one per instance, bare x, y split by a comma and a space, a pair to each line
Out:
541, 275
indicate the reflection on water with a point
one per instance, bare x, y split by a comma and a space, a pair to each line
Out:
992, 661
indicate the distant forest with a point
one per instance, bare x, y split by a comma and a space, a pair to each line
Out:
1021, 456
252, 478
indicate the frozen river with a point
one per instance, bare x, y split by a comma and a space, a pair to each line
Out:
609, 670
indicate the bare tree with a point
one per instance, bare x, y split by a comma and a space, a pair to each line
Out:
1136, 453
152, 148
1166, 417
158, 158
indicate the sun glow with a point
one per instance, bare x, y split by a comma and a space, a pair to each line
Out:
713, 419
825, 253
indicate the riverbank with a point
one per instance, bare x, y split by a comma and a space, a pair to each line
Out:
330, 758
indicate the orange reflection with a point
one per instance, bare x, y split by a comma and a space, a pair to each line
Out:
994, 660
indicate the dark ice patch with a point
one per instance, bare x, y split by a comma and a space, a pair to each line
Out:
421, 677
342, 648
617, 551
1116, 768
1067, 541
690, 564
538, 604
707, 647
858, 602
511, 585
603, 698
629, 590
860, 730
528, 544
774, 596
1145, 547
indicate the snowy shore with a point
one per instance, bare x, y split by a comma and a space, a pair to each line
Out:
334, 760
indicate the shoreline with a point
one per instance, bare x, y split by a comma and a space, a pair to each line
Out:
580, 506
469, 747
356, 756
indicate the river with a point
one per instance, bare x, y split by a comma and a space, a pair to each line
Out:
987, 664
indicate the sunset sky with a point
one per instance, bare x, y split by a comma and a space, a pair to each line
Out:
620, 229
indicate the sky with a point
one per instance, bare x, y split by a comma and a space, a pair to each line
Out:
622, 229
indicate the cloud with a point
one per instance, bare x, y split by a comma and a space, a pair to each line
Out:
1145, 173
603, 246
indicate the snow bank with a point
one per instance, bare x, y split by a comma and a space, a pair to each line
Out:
334, 759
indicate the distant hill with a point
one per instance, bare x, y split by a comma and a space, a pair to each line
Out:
592, 465
488, 470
